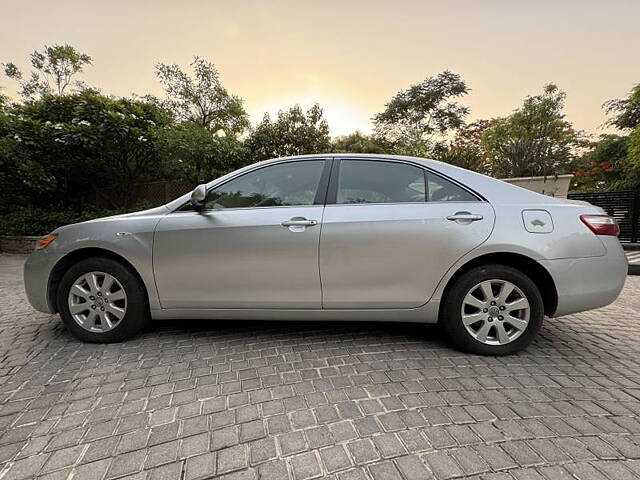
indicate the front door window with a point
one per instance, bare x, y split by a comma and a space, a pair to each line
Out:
285, 184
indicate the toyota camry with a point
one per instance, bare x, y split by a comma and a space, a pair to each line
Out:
337, 237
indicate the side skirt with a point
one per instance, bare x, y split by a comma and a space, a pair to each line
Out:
427, 313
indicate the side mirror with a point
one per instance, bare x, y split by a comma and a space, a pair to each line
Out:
198, 196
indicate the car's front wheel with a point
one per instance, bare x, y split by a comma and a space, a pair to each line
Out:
101, 300
492, 310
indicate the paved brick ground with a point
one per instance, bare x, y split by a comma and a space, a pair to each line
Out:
191, 400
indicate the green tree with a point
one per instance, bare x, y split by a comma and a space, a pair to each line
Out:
10, 159
604, 167
54, 68
358, 142
625, 111
465, 150
195, 154
293, 132
632, 170
417, 119
65, 145
201, 98
534, 140
625, 115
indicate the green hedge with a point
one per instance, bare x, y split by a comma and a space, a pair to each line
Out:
40, 221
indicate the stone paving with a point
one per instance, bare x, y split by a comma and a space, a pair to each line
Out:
351, 401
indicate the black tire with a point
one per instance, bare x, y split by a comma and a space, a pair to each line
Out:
451, 312
137, 311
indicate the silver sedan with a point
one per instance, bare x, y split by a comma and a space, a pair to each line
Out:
337, 237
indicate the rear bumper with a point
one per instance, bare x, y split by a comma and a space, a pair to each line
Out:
588, 283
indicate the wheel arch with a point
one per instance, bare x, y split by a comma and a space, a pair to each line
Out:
527, 265
74, 257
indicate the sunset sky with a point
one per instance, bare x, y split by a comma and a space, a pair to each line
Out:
349, 56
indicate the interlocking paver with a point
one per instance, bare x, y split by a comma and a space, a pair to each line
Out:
292, 443
200, 466
443, 465
126, 463
388, 445
384, 471
363, 451
335, 458
305, 466
281, 401
232, 458
274, 470
412, 468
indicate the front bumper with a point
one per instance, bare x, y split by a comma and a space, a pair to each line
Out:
37, 271
588, 283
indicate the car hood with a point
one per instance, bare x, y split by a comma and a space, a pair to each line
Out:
161, 210
151, 212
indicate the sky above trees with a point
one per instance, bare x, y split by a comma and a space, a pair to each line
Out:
349, 56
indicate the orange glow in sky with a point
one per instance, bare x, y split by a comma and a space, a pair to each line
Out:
349, 56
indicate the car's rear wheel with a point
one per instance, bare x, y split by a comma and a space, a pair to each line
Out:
101, 300
492, 310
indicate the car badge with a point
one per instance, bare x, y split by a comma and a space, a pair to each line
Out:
537, 223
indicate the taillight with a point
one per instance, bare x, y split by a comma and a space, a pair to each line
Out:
601, 224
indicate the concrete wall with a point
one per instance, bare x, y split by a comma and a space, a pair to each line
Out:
9, 244
551, 185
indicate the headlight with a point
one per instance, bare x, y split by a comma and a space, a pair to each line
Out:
45, 241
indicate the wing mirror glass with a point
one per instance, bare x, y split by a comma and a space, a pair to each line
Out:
199, 195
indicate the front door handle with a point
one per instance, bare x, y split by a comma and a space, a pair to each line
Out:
299, 222
465, 217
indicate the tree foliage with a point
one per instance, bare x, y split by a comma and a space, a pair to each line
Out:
61, 144
604, 166
54, 69
61, 147
292, 132
465, 150
613, 162
195, 154
10, 160
417, 118
200, 98
358, 142
534, 140
625, 111
632, 171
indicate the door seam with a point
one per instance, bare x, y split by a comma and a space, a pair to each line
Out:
318, 257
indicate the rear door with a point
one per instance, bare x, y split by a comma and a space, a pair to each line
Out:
391, 230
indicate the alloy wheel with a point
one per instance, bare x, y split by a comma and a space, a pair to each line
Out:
495, 312
97, 301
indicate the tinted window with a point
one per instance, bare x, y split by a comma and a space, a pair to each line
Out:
285, 184
441, 190
379, 182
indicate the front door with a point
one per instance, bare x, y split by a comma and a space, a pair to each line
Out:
391, 231
253, 245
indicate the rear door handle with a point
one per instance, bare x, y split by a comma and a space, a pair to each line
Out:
299, 223
464, 217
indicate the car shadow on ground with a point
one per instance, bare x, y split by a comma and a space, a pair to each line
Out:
430, 339
557, 337
296, 329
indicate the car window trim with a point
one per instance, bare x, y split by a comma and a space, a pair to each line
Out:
214, 210
322, 187
332, 194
